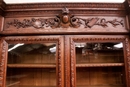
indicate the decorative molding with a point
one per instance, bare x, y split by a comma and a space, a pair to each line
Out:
128, 58
64, 20
55, 12
73, 66
2, 63
60, 74
67, 62
100, 65
45, 38
43, 9
60, 5
98, 39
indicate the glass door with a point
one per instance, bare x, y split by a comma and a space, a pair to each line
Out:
35, 63
97, 62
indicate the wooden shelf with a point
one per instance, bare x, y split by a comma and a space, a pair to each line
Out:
99, 64
76, 86
12, 84
31, 65
30, 86
102, 86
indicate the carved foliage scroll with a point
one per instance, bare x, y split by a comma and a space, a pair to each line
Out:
63, 20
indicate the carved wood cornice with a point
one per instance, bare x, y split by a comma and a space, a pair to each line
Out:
49, 13
43, 9
44, 6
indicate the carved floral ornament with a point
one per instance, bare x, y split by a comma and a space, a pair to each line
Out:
64, 20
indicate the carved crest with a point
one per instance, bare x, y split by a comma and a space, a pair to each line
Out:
66, 19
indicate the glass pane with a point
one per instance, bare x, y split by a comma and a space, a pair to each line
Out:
31, 65
100, 65
99, 53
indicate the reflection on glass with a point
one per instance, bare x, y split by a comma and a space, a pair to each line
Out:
99, 52
100, 65
31, 65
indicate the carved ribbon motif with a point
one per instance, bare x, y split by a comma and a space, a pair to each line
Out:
64, 20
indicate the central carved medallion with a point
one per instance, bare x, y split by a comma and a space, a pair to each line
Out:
66, 19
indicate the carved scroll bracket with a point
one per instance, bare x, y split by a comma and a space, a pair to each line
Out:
64, 20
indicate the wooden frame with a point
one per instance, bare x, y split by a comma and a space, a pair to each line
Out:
31, 39
97, 38
64, 23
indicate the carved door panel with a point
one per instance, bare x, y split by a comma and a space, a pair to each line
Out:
98, 61
32, 61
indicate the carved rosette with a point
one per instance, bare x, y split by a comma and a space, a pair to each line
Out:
63, 20
41, 40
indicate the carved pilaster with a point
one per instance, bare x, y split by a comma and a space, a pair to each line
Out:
60, 63
127, 44
3, 59
73, 66
67, 62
